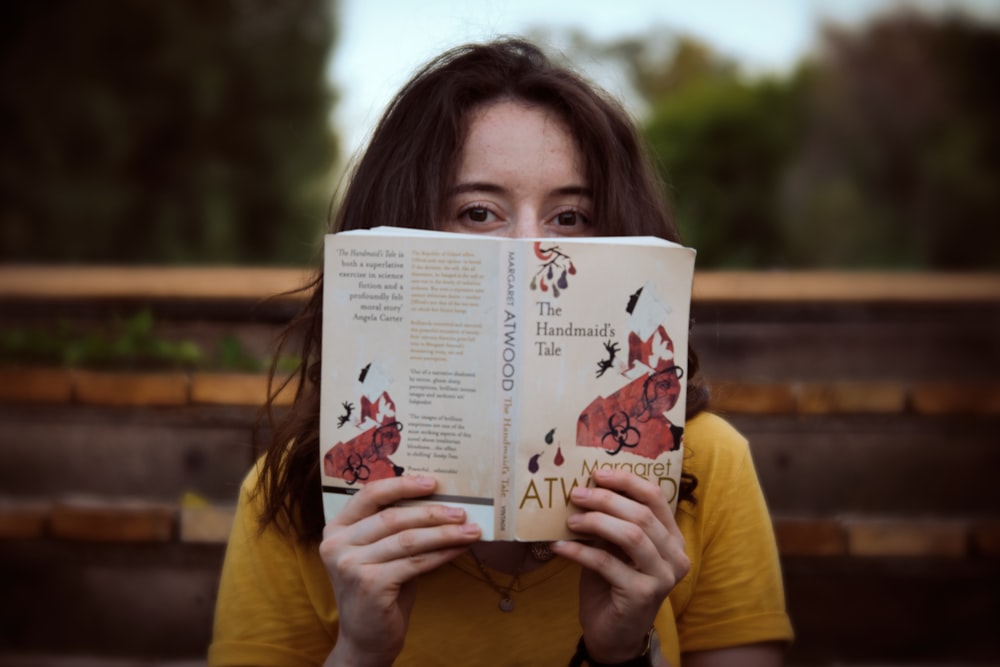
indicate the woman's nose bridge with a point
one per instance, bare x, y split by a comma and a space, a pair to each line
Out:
527, 221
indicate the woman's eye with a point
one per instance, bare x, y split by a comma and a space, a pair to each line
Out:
570, 219
477, 214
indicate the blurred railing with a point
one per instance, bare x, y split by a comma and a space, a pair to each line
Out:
212, 283
871, 401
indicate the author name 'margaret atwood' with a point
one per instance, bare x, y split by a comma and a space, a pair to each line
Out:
508, 369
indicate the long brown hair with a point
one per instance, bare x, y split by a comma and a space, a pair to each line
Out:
401, 179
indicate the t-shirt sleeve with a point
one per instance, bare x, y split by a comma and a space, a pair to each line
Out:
737, 597
267, 611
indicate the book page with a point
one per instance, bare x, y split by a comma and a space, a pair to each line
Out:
408, 364
605, 329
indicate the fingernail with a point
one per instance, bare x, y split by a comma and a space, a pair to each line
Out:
424, 481
471, 528
573, 520
602, 474
454, 512
581, 492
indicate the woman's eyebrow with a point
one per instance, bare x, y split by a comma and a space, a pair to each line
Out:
475, 186
578, 190
493, 188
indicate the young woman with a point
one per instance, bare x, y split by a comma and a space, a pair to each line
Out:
495, 139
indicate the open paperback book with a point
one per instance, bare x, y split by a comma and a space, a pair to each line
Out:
508, 369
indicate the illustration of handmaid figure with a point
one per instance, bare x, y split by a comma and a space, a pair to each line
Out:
374, 434
633, 418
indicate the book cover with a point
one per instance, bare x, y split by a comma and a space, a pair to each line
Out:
508, 369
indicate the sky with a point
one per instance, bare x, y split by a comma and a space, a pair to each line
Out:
383, 42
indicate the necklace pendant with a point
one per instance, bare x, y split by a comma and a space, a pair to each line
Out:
506, 604
541, 552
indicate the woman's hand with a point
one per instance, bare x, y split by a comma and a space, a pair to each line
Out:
630, 569
373, 551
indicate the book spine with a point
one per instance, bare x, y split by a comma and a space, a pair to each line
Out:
510, 343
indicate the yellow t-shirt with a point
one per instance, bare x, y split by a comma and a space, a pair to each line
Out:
276, 605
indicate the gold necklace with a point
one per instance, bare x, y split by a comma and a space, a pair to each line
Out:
506, 603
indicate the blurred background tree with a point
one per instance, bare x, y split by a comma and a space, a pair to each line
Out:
167, 132
899, 164
884, 151
193, 132
881, 151
722, 144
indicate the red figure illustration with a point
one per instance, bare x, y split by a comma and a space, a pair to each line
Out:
365, 456
633, 418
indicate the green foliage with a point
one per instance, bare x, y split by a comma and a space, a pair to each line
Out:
900, 160
883, 151
690, 62
171, 132
132, 343
721, 145
234, 356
